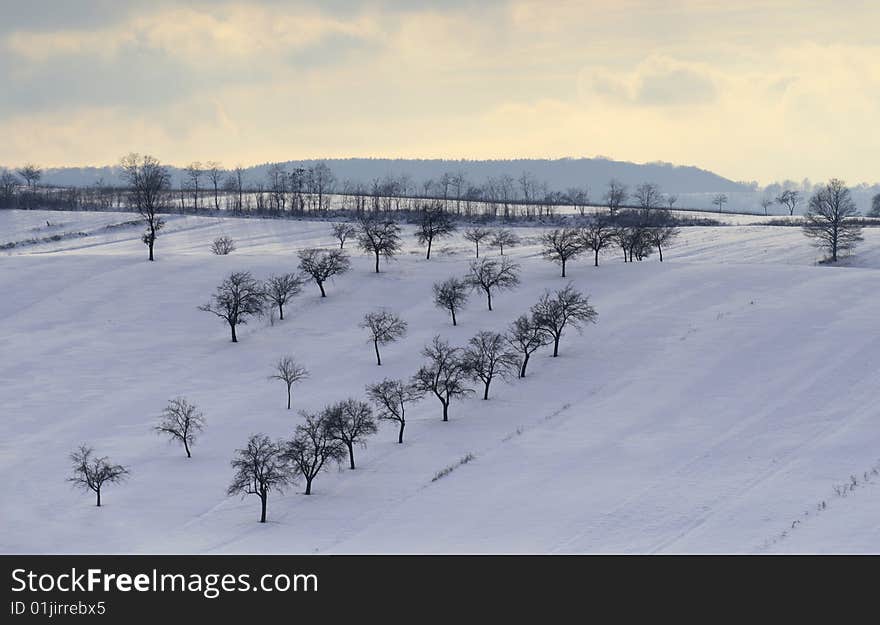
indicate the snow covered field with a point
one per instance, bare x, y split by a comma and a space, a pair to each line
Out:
716, 406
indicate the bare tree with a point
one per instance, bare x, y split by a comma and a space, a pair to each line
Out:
490, 274
526, 336
323, 181
385, 327
281, 289
312, 447
615, 195
194, 172
452, 295
661, 230
561, 246
238, 297
720, 200
8, 184
92, 473
828, 220
671, 199
647, 196
181, 421
32, 175
391, 398
789, 199
222, 245
597, 236
476, 236
350, 422
322, 265
445, 375
566, 307
148, 181
216, 175
342, 231
487, 357
290, 372
504, 238
260, 468
434, 223
875, 206
380, 238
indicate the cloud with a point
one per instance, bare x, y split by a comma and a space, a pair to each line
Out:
656, 82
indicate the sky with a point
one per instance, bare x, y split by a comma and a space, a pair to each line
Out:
751, 90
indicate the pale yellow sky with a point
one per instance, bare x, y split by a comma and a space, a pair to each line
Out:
751, 90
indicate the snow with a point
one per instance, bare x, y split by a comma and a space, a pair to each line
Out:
719, 400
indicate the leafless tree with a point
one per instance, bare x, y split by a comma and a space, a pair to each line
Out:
391, 398
490, 274
598, 235
631, 234
281, 289
312, 447
720, 200
556, 311
526, 336
181, 421
92, 473
238, 297
647, 196
260, 468
32, 175
476, 236
290, 372
380, 238
148, 181
216, 175
766, 203
323, 181
828, 220
434, 223
789, 199
194, 172
661, 230
875, 206
452, 295
235, 183
342, 231
222, 245
445, 374
385, 327
562, 245
8, 184
350, 422
322, 265
504, 238
487, 357
615, 195
671, 199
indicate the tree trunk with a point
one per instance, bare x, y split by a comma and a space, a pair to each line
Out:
453, 316
486, 389
596, 259
400, 432
556, 345
321, 286
445, 410
151, 247
376, 347
428, 255
98, 495
186, 447
350, 455
281, 311
377, 262
563, 267
263, 497
234, 337
660, 251
288, 396
525, 363
489, 298
308, 485
478, 249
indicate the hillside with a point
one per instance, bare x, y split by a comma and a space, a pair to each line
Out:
717, 403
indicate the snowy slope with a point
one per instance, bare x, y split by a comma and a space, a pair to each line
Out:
721, 397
